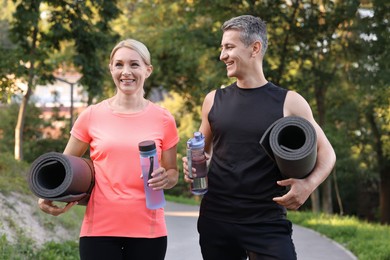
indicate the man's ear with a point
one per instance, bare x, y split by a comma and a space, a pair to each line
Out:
256, 48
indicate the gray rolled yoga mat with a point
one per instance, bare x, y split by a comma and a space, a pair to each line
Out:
60, 177
292, 143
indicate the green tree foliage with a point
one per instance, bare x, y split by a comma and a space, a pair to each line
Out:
314, 49
369, 76
335, 53
183, 45
39, 27
9, 60
186, 126
305, 39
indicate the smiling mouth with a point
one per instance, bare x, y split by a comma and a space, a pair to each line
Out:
228, 64
127, 81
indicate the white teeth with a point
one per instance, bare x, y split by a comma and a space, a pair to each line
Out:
127, 80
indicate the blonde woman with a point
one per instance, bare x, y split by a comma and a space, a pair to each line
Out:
117, 224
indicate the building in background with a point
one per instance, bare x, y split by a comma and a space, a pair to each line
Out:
64, 98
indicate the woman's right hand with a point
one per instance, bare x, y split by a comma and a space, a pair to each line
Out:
48, 207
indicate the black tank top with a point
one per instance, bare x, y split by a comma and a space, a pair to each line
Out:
242, 178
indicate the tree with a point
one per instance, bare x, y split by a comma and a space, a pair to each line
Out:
186, 36
9, 86
370, 79
314, 49
184, 52
310, 51
38, 29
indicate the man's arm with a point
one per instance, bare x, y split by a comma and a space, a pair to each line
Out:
296, 105
205, 125
205, 130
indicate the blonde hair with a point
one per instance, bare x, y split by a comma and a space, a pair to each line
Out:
135, 45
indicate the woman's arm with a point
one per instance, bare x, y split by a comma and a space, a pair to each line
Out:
75, 147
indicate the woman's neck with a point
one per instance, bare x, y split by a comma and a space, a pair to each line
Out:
127, 104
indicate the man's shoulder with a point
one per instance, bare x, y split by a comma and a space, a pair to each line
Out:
273, 87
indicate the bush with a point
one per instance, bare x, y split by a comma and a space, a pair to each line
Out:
68, 250
51, 250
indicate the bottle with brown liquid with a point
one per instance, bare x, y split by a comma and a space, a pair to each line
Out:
197, 159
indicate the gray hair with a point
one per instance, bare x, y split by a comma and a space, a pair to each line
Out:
135, 45
251, 29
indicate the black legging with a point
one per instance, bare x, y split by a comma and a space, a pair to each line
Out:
121, 248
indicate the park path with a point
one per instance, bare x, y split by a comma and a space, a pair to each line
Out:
183, 238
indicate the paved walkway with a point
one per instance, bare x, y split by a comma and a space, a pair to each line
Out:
183, 238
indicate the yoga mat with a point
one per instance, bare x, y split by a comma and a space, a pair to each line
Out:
59, 177
292, 143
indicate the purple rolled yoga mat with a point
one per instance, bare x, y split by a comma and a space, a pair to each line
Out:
59, 177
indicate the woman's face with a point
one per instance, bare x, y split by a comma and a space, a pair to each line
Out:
129, 71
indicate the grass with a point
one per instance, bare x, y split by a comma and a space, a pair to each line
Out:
24, 249
13, 175
178, 199
367, 241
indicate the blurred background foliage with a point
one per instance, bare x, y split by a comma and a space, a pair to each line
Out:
335, 53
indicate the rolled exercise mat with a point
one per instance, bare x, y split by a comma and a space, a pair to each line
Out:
59, 177
292, 143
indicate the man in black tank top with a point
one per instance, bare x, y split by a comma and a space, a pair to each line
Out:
243, 214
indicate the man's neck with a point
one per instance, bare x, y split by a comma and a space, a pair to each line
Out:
252, 82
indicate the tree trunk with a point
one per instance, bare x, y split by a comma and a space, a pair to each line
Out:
19, 130
327, 205
20, 123
315, 201
383, 166
23, 106
326, 187
384, 201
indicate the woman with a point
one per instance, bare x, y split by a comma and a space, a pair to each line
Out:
117, 224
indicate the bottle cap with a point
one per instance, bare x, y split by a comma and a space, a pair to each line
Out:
197, 141
147, 145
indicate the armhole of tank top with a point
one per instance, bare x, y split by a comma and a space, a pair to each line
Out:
284, 100
217, 91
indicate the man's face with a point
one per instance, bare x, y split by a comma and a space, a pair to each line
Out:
235, 54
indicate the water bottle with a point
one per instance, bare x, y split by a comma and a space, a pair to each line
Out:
149, 162
197, 159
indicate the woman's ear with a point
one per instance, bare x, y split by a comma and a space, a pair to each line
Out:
149, 71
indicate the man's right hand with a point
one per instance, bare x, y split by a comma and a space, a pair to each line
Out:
185, 170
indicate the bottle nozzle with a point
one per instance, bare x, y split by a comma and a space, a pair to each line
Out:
198, 136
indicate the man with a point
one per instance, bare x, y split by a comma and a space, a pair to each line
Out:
243, 214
